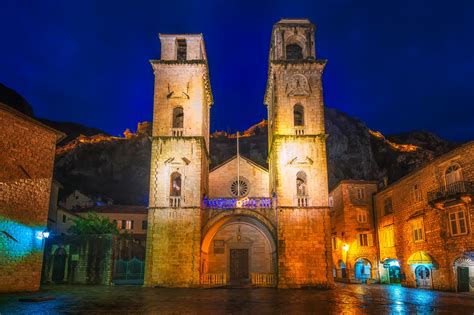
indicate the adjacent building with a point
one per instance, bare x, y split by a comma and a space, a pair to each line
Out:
425, 225
419, 231
353, 231
26, 158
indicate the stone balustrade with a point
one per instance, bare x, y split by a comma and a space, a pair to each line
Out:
263, 279
214, 279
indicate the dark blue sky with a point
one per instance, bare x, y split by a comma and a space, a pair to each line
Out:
396, 65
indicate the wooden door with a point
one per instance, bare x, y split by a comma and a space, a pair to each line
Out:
463, 279
239, 265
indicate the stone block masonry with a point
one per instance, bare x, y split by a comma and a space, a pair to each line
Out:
27, 151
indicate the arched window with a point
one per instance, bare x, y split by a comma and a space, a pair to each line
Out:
294, 52
453, 174
298, 115
301, 183
178, 117
175, 185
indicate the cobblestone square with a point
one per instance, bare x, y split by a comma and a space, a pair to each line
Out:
346, 299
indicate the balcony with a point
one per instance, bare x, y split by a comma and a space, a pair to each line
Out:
299, 130
452, 192
175, 201
177, 132
302, 201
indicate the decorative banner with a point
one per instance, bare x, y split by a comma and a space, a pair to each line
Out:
233, 203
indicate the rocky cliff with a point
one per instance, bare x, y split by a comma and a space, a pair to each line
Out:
119, 167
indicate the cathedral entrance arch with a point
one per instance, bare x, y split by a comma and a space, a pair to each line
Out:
238, 249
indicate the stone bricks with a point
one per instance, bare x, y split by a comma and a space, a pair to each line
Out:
288, 239
352, 215
417, 200
27, 157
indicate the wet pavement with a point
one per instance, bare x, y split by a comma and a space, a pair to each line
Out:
345, 299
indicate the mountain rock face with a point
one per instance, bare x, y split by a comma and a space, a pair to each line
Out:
11, 98
118, 168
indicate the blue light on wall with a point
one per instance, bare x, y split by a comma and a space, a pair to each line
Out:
19, 240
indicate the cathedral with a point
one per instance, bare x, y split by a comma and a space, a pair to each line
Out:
239, 223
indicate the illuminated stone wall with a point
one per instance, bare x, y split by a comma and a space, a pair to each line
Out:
174, 231
438, 242
346, 226
26, 160
240, 236
304, 252
221, 178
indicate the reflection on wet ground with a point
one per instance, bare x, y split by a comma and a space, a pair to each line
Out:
345, 299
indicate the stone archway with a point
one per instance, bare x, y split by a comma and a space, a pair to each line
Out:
362, 269
463, 268
238, 249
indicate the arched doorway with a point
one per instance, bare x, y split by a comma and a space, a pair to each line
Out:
342, 269
393, 270
464, 270
59, 264
238, 250
362, 269
423, 277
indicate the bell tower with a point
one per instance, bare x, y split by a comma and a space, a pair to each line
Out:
297, 155
179, 161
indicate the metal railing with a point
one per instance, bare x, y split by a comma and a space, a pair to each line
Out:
232, 203
177, 132
451, 190
263, 279
128, 271
175, 201
214, 278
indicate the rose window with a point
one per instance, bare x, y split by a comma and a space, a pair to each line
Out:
239, 188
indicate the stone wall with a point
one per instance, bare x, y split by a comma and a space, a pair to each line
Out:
409, 209
173, 247
26, 159
221, 178
346, 227
304, 250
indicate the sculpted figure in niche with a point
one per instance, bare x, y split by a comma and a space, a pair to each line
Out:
175, 184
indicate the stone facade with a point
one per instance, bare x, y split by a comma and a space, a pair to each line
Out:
220, 178
26, 159
297, 156
264, 227
425, 224
353, 231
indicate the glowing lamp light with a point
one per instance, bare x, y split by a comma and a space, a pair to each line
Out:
394, 263
345, 247
42, 234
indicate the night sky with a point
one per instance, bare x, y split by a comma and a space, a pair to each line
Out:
396, 65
